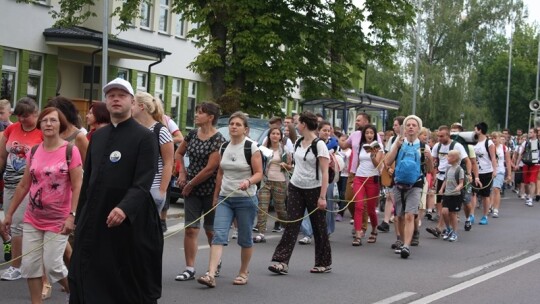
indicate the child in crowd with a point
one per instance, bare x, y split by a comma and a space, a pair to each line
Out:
452, 199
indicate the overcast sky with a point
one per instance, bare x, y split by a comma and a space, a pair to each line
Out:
534, 10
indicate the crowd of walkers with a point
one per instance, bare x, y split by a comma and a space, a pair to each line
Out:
57, 214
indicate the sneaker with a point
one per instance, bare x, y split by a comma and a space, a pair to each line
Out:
471, 219
7, 251
305, 240
453, 237
235, 234
383, 227
435, 231
529, 203
495, 213
522, 197
516, 191
537, 198
255, 229
351, 222
446, 234
405, 252
396, 245
398, 249
468, 226
277, 229
483, 221
11, 274
339, 218
415, 238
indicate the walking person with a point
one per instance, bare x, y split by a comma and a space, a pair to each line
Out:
53, 180
16, 142
451, 191
307, 190
117, 257
97, 117
198, 181
275, 183
366, 184
236, 188
487, 170
504, 171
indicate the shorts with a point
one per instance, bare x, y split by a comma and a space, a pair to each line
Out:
412, 200
50, 255
423, 198
486, 180
498, 181
439, 183
530, 173
194, 207
18, 215
452, 202
244, 210
518, 176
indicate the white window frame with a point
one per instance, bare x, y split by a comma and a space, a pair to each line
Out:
191, 103
15, 71
39, 74
180, 25
283, 105
295, 106
159, 88
148, 16
123, 73
176, 97
164, 6
142, 86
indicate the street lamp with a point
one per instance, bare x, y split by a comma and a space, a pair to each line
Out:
415, 79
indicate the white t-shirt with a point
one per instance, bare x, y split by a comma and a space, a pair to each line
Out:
236, 169
482, 157
346, 154
171, 125
441, 152
304, 176
366, 167
534, 150
500, 161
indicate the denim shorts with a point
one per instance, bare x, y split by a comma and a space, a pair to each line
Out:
498, 181
244, 210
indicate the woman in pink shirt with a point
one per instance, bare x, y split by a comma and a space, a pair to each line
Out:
53, 181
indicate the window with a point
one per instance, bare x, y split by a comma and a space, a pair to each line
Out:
34, 77
159, 91
295, 106
180, 26
191, 104
142, 82
9, 75
123, 73
146, 15
176, 95
163, 16
284, 105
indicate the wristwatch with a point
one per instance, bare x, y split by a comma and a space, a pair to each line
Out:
72, 213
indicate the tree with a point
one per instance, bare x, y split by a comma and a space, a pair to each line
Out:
255, 52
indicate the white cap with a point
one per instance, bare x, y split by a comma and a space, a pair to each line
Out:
119, 83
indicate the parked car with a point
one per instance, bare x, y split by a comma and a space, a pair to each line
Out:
258, 130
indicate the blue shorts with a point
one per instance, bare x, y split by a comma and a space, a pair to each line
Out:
498, 181
244, 210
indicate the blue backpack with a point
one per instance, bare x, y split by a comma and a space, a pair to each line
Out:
409, 165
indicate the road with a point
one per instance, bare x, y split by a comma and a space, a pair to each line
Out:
497, 263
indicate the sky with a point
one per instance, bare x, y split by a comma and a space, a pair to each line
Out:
534, 10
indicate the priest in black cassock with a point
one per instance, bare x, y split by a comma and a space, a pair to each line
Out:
117, 257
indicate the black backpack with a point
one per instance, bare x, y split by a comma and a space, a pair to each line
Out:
247, 155
463, 164
527, 153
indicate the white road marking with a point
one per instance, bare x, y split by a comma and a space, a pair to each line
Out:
446, 292
396, 298
488, 265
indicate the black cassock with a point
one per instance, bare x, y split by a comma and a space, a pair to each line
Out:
122, 264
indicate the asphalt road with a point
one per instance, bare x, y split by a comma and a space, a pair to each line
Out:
497, 263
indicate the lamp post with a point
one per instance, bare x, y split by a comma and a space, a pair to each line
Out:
509, 77
416, 62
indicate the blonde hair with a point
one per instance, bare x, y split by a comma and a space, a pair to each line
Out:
424, 131
4, 103
152, 105
496, 134
455, 153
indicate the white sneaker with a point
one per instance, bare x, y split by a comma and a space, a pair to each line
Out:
495, 213
305, 240
235, 234
529, 202
11, 274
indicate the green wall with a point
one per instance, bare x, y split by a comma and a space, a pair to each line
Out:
50, 77
22, 75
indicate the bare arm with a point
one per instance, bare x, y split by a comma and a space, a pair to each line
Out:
213, 163
323, 165
75, 177
217, 189
178, 138
179, 156
167, 155
82, 144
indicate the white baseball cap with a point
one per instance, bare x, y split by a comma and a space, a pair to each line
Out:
119, 83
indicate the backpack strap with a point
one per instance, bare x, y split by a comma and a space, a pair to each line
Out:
247, 152
486, 143
313, 147
157, 131
223, 147
69, 153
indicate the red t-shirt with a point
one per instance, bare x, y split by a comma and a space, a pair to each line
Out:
18, 144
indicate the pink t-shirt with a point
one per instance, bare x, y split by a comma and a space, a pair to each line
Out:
50, 190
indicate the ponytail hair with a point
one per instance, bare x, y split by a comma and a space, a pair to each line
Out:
152, 105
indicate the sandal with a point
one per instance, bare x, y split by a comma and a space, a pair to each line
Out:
321, 269
357, 242
259, 239
279, 268
185, 276
207, 280
372, 238
46, 292
240, 279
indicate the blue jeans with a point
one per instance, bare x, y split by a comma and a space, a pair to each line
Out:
305, 228
244, 209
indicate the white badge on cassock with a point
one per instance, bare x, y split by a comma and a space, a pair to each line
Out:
115, 156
